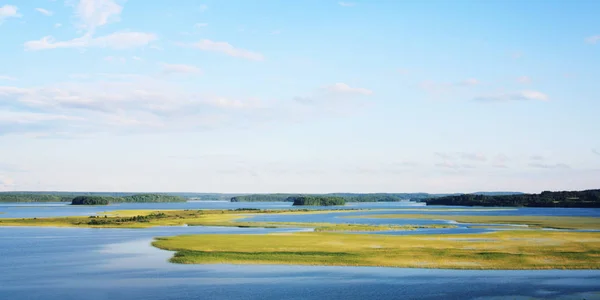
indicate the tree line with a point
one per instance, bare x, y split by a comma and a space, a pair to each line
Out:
316, 200
140, 198
587, 198
348, 197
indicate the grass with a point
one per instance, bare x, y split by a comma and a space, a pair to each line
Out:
228, 218
531, 221
513, 249
497, 250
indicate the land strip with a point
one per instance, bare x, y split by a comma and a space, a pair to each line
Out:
558, 222
228, 218
497, 250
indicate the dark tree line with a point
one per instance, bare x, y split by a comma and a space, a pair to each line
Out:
127, 197
316, 200
146, 198
262, 198
588, 198
91, 200
140, 198
18, 197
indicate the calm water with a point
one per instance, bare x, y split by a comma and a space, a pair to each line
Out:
56, 209
78, 263
83, 263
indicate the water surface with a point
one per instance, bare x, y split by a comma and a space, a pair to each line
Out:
76, 263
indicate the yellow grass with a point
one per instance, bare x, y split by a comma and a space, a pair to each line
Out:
532, 221
120, 219
497, 250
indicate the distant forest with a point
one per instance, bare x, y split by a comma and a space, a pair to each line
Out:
348, 197
91, 200
588, 198
66, 197
354, 197
316, 200
180, 197
140, 198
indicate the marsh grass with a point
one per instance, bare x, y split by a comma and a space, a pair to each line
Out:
227, 218
531, 221
499, 250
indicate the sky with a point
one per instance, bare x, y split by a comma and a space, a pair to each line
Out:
310, 96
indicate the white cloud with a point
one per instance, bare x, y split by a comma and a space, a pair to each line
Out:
537, 157
5, 77
472, 156
11, 90
44, 11
118, 40
524, 80
8, 11
179, 69
200, 25
457, 156
29, 117
228, 49
346, 4
443, 155
230, 103
593, 39
121, 103
549, 166
203, 8
6, 183
96, 13
136, 58
517, 96
455, 166
346, 89
57, 25
469, 82
133, 103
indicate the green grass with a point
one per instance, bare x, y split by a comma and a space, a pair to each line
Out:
532, 221
229, 218
498, 250
522, 249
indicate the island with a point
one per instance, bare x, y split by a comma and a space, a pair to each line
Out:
316, 200
90, 200
337, 244
356, 197
586, 198
139, 198
113, 197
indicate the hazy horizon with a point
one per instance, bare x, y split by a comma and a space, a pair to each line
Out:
307, 96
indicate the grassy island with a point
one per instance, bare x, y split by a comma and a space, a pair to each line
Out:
317, 200
530, 221
227, 218
498, 250
334, 244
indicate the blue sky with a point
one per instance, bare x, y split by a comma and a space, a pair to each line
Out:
299, 96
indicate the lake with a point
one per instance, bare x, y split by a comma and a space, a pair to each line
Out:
84, 263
